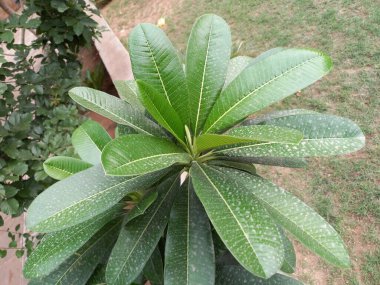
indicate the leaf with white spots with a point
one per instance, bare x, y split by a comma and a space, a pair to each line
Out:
155, 61
154, 269
296, 217
240, 220
89, 139
139, 238
56, 247
114, 109
266, 82
61, 167
248, 134
79, 267
189, 251
292, 162
245, 166
237, 275
140, 154
80, 197
127, 90
207, 56
235, 66
142, 206
324, 135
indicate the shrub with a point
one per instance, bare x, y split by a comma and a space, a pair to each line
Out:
185, 160
37, 115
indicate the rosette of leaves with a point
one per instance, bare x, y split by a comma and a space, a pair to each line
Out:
184, 137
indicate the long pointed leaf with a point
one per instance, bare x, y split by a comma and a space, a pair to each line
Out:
292, 162
207, 56
114, 109
189, 251
156, 62
61, 167
237, 275
242, 223
161, 110
266, 82
252, 133
235, 66
78, 268
81, 197
56, 247
296, 217
324, 135
289, 265
89, 140
140, 154
139, 238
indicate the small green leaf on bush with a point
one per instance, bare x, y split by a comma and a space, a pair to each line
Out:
3, 253
61, 167
20, 253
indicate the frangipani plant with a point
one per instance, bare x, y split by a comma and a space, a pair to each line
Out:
184, 156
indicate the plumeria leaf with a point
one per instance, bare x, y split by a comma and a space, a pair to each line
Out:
139, 238
79, 267
140, 154
324, 135
289, 265
207, 56
58, 246
61, 167
264, 83
156, 62
80, 197
114, 109
189, 250
249, 134
89, 139
296, 217
240, 220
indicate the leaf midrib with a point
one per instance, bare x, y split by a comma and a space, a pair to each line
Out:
260, 87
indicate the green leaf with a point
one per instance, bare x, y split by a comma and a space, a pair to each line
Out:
235, 67
241, 222
207, 56
78, 268
324, 135
156, 62
56, 247
189, 250
114, 109
161, 110
154, 269
61, 167
296, 217
289, 265
81, 197
264, 83
89, 139
249, 134
127, 90
237, 275
140, 154
142, 206
139, 238
1, 221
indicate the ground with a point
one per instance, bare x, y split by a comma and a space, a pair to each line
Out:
344, 190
